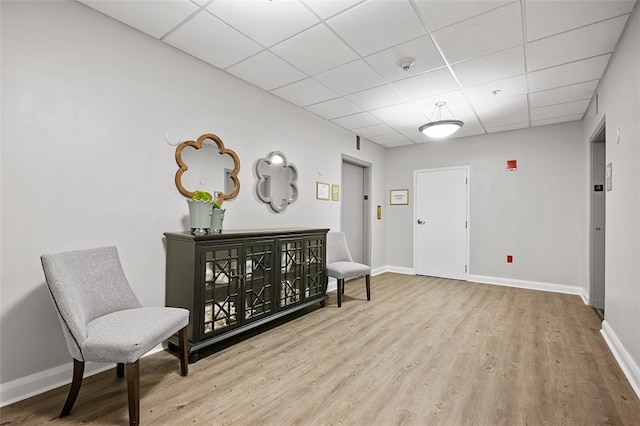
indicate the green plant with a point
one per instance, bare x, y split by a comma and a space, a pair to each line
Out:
202, 196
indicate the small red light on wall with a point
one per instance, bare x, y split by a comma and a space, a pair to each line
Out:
509, 258
512, 165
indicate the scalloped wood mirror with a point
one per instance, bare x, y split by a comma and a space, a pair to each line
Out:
207, 157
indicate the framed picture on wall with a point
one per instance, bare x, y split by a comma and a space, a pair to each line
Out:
335, 192
399, 197
322, 191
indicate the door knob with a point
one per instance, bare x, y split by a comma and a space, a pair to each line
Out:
421, 222
598, 228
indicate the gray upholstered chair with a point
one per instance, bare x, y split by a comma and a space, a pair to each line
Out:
340, 264
103, 321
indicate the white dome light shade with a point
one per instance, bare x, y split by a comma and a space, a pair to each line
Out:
441, 129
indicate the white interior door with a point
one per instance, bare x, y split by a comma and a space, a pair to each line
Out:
353, 209
441, 223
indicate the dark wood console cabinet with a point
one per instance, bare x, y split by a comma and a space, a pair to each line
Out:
238, 280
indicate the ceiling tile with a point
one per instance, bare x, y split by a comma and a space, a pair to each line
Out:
504, 88
503, 112
466, 131
398, 113
559, 110
426, 84
563, 75
377, 24
545, 18
315, 50
487, 33
558, 95
356, 120
571, 46
266, 22
495, 66
555, 120
457, 106
386, 140
325, 9
397, 144
305, 92
422, 49
375, 130
334, 108
442, 13
266, 71
508, 127
377, 97
200, 37
152, 18
350, 78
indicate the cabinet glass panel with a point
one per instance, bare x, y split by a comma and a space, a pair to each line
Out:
221, 296
258, 281
314, 270
291, 265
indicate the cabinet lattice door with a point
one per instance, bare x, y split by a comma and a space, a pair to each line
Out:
221, 298
258, 280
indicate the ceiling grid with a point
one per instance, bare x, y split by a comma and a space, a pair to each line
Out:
498, 64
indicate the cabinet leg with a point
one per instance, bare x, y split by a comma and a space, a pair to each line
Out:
193, 357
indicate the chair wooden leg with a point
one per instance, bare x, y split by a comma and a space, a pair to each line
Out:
120, 369
78, 371
340, 291
368, 284
133, 390
184, 352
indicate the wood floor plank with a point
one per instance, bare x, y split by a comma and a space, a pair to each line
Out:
423, 351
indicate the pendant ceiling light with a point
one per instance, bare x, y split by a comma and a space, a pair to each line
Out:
440, 128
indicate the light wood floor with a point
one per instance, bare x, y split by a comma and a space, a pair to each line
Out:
423, 351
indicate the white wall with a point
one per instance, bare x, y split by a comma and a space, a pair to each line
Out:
619, 104
534, 213
86, 103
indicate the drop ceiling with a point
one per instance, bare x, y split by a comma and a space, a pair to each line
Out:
498, 65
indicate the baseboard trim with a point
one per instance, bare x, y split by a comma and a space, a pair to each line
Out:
35, 384
399, 270
625, 361
530, 285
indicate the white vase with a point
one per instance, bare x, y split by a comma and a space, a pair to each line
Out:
217, 216
200, 216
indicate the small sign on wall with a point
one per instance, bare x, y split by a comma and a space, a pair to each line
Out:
512, 165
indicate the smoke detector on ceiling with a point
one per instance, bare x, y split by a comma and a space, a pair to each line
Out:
405, 63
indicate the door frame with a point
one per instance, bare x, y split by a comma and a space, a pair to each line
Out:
467, 168
592, 140
366, 211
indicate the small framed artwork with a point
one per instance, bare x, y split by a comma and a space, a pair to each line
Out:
335, 192
399, 197
322, 191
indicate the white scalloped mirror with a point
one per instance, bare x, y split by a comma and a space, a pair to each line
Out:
277, 179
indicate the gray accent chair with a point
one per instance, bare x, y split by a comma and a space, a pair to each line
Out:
103, 320
340, 264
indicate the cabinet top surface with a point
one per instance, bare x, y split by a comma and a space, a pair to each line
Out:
234, 233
